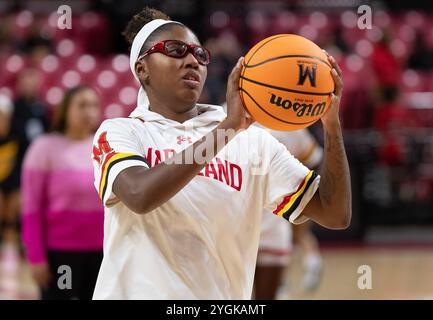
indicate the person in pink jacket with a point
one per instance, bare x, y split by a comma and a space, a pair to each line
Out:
62, 214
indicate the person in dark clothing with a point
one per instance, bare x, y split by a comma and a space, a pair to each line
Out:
421, 57
30, 116
28, 121
8, 156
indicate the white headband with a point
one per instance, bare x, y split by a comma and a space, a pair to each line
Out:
137, 44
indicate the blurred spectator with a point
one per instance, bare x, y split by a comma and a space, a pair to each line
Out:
421, 57
356, 111
390, 115
36, 40
391, 120
6, 35
225, 50
28, 121
9, 195
62, 214
6, 109
385, 65
30, 118
335, 43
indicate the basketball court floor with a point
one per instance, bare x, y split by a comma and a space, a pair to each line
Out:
403, 272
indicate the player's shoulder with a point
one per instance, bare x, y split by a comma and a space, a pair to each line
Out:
258, 131
303, 134
121, 125
118, 122
258, 136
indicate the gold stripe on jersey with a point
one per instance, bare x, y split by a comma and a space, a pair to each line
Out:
109, 162
291, 202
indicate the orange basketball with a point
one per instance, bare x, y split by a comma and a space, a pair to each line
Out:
286, 82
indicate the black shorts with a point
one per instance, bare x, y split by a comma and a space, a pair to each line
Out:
10, 185
12, 182
84, 269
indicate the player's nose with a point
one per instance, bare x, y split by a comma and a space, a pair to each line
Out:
191, 61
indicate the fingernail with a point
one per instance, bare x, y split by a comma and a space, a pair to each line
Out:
334, 71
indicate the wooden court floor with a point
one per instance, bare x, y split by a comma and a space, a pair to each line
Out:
397, 273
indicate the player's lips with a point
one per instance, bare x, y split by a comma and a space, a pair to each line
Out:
192, 79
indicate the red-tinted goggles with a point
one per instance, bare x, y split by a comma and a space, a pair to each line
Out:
179, 49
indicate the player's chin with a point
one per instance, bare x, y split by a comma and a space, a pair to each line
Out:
190, 95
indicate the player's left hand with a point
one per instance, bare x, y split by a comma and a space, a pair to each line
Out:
331, 117
237, 114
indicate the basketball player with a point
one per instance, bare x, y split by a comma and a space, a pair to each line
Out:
277, 236
187, 227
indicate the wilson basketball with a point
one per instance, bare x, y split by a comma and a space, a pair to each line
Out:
286, 82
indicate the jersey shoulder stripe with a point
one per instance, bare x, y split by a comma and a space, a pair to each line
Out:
111, 160
291, 202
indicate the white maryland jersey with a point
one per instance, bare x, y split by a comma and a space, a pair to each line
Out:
203, 242
302, 145
274, 243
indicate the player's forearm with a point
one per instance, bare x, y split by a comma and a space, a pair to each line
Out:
145, 190
335, 189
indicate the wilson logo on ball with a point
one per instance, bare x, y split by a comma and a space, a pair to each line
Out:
301, 109
286, 82
307, 71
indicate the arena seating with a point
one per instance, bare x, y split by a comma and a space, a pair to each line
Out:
82, 54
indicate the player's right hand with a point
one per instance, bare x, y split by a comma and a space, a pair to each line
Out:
41, 274
331, 117
237, 115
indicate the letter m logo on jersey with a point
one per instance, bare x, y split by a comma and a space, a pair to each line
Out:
307, 71
102, 148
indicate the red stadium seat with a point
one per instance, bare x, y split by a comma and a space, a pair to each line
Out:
76, 58
12, 66
120, 63
51, 64
53, 95
412, 81
106, 79
284, 22
71, 78
23, 20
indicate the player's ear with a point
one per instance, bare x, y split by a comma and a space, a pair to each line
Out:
142, 71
